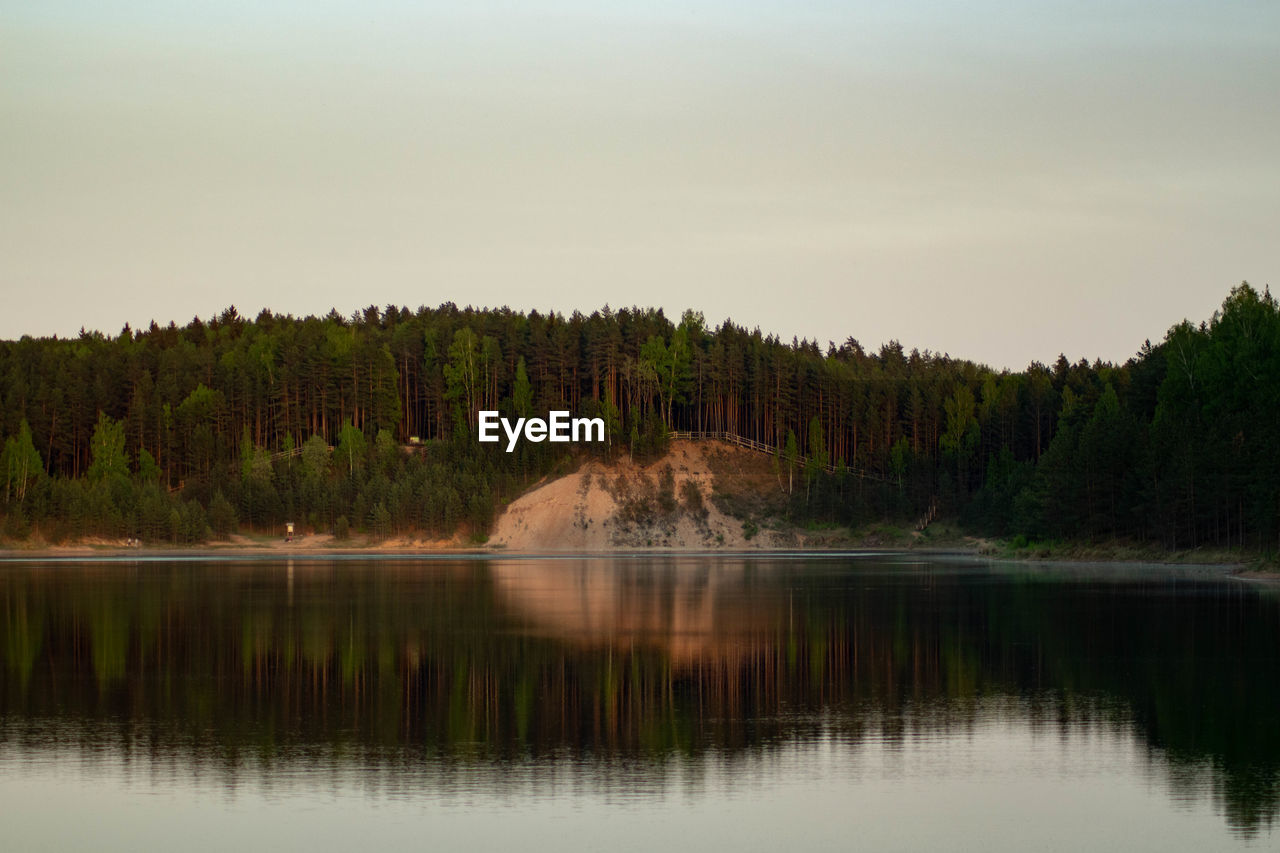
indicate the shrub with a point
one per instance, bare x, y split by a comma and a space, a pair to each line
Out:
693, 499
222, 515
667, 490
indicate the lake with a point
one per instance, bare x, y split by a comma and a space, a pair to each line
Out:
765, 702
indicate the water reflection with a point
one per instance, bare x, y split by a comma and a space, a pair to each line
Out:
634, 675
692, 610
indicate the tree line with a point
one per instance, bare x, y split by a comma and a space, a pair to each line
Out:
367, 422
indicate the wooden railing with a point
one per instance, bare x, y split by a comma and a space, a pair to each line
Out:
761, 447
285, 454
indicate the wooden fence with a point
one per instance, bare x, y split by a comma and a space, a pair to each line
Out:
761, 447
285, 454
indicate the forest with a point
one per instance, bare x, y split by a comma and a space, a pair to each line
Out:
179, 434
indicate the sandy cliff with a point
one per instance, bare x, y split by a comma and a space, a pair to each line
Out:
664, 504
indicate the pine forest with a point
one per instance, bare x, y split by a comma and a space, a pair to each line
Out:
181, 434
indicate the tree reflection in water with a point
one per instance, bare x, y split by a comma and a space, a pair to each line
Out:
645, 659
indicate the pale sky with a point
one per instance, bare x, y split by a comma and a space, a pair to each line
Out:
1002, 181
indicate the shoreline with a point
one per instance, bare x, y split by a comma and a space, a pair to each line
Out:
1245, 569
71, 552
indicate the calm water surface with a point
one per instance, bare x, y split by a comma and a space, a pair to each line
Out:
759, 703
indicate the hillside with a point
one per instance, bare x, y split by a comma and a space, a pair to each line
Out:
699, 494
669, 502
367, 427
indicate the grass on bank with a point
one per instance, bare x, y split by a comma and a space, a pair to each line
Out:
1119, 550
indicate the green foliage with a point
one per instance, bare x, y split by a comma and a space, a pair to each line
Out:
351, 448
109, 459
898, 458
20, 465
962, 435
668, 368
693, 501
994, 506
222, 515
380, 521
522, 391
666, 490
148, 470
816, 463
1176, 447
385, 451
788, 456
258, 497
15, 524
462, 374
314, 463
1215, 473
199, 424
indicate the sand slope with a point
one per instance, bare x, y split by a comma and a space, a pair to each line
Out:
602, 507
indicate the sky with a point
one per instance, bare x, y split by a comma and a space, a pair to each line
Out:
1000, 181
